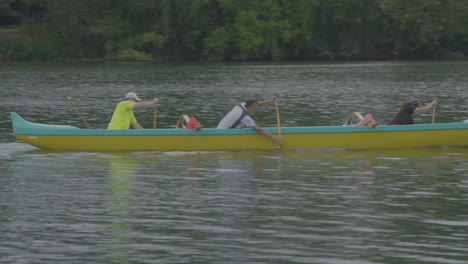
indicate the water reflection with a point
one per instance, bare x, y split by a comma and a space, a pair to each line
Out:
122, 170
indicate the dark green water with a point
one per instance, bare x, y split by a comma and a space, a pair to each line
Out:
301, 206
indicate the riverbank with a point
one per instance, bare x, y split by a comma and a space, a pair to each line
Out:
17, 45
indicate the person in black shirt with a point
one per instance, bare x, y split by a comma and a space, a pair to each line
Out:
405, 116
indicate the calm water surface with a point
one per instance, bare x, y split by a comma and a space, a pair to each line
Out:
297, 206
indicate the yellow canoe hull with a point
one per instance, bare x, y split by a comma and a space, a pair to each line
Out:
355, 140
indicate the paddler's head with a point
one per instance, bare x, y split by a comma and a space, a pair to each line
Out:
251, 106
131, 96
414, 102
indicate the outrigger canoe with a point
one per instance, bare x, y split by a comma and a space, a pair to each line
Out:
71, 138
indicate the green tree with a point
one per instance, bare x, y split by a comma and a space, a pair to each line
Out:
238, 29
8, 16
430, 28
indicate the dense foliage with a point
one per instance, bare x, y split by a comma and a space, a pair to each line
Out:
236, 29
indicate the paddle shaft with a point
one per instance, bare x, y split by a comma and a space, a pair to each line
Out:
155, 117
78, 112
278, 119
433, 114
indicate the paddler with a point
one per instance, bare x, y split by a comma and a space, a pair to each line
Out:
123, 115
239, 117
405, 115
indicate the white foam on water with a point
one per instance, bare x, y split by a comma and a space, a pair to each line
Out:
6, 149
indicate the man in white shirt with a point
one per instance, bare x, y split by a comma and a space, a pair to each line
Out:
239, 117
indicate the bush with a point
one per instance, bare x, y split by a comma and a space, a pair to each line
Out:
141, 47
132, 54
24, 47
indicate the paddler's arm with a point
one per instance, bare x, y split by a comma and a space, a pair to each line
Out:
137, 126
272, 100
146, 104
425, 108
266, 134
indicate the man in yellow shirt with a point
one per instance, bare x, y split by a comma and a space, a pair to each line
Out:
123, 115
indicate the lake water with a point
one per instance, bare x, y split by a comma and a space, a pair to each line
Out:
294, 206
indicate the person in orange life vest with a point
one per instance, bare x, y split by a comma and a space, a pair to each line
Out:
239, 117
405, 115
123, 116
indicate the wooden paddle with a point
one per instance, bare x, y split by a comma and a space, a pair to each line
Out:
433, 114
278, 119
155, 117
78, 112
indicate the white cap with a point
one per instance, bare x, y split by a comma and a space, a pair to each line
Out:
132, 95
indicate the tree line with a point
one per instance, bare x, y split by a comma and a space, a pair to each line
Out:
226, 30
